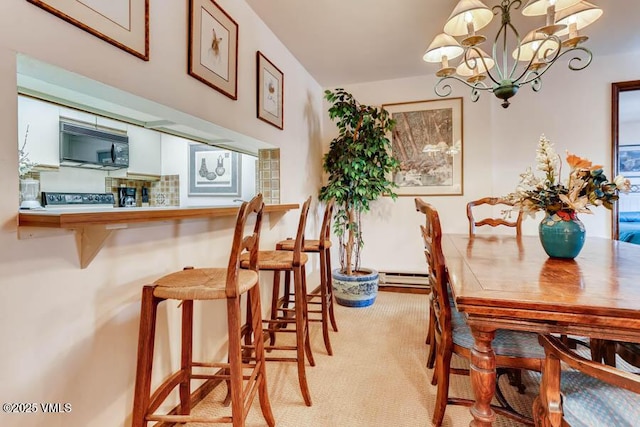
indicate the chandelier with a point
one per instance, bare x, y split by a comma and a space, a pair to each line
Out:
532, 55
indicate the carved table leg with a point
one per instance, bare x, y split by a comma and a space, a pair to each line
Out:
483, 377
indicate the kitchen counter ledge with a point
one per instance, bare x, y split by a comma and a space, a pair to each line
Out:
93, 227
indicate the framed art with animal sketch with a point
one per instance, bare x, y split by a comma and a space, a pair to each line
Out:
213, 47
270, 92
213, 171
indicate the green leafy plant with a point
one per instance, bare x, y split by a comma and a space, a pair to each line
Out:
359, 164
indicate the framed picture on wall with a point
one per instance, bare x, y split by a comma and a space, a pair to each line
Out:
629, 160
123, 23
213, 171
213, 47
270, 92
427, 141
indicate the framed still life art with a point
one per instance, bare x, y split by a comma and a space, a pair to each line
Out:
427, 141
213, 47
213, 171
270, 92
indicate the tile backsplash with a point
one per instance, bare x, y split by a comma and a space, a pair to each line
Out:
164, 192
268, 175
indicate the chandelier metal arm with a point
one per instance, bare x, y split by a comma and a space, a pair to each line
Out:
570, 64
445, 89
484, 63
548, 59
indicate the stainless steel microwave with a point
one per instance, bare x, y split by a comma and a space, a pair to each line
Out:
90, 147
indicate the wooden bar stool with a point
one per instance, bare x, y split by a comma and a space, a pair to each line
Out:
322, 246
283, 316
192, 284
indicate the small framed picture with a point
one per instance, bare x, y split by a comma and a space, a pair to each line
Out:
629, 160
270, 92
213, 47
123, 23
213, 171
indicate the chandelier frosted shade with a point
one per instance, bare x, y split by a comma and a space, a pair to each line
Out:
541, 7
475, 64
535, 45
577, 17
468, 15
442, 49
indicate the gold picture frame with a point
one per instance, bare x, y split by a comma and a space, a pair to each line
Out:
270, 92
123, 23
213, 47
427, 140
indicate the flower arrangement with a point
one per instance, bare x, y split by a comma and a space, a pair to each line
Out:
24, 164
586, 186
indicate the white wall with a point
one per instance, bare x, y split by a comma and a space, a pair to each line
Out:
68, 334
572, 109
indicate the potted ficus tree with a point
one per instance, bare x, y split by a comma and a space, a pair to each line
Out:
359, 164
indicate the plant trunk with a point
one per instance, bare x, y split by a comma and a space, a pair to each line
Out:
349, 248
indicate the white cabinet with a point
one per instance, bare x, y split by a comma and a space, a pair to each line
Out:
144, 151
43, 140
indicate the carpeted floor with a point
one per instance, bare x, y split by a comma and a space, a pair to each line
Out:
376, 377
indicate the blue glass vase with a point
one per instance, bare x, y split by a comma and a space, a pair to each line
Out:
562, 236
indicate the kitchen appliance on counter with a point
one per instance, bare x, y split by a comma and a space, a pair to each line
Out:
70, 201
127, 197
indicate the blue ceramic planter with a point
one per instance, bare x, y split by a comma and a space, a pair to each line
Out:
355, 291
561, 238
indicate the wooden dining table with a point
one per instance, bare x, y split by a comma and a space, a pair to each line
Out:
509, 282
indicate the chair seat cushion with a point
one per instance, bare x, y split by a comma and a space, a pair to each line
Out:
589, 402
505, 343
273, 260
201, 284
309, 245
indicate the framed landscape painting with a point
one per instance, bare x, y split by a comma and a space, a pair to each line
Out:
123, 23
270, 92
213, 171
213, 47
427, 141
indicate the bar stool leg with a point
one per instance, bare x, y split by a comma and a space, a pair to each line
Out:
146, 341
305, 310
235, 361
301, 333
263, 395
275, 297
329, 276
324, 304
186, 357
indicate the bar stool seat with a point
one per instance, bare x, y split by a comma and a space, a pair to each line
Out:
309, 245
244, 380
201, 284
274, 260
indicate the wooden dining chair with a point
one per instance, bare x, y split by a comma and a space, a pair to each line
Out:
605, 351
320, 301
492, 222
291, 318
584, 392
451, 333
187, 286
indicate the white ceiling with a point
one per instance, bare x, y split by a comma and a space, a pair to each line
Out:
342, 42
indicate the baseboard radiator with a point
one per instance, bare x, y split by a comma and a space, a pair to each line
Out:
404, 279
